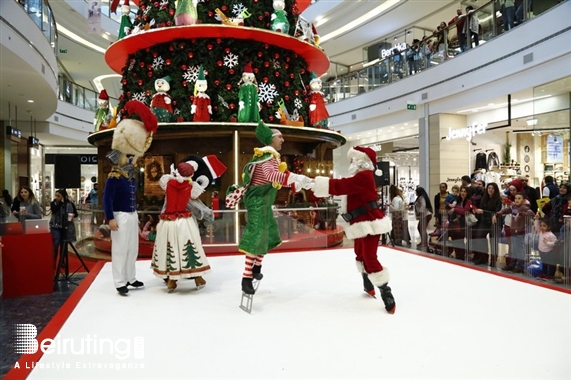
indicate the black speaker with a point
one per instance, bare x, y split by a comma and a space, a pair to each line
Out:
67, 171
385, 178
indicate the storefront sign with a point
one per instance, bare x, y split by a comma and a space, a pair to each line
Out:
388, 52
88, 159
11, 131
468, 132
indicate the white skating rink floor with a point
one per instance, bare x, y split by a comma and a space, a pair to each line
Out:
311, 319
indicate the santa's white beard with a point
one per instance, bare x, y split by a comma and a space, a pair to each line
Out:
358, 166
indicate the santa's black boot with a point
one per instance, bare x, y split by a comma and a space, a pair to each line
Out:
257, 272
247, 286
368, 285
388, 299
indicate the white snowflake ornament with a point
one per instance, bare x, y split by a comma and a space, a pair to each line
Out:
267, 92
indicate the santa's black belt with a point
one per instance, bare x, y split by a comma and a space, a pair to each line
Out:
359, 211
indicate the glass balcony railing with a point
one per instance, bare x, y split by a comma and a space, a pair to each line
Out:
77, 95
442, 45
41, 13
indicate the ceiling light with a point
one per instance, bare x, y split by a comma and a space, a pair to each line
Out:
531, 122
30, 101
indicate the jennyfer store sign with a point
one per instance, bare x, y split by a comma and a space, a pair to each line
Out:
467, 132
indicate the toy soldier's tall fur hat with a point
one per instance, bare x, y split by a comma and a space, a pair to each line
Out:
133, 136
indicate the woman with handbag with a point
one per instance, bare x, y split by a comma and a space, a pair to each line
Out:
457, 227
490, 204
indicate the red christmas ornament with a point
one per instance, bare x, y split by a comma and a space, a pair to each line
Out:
265, 79
271, 117
169, 23
296, 92
156, 4
190, 55
217, 82
215, 108
288, 59
227, 50
124, 81
295, 55
128, 95
210, 14
142, 64
155, 54
209, 46
149, 67
286, 83
148, 93
231, 71
286, 66
268, 25
259, 54
277, 74
302, 71
171, 48
193, 40
150, 74
174, 102
181, 46
256, 71
171, 12
228, 86
218, 40
134, 75
168, 62
224, 8
261, 18
266, 64
276, 55
286, 97
266, 14
184, 67
219, 63
183, 83
266, 46
232, 106
292, 75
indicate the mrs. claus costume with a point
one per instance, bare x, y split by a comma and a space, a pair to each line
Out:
367, 221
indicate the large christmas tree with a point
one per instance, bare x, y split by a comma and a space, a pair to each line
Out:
157, 48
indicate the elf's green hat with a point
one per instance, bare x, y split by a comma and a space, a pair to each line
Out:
201, 74
313, 76
167, 78
264, 133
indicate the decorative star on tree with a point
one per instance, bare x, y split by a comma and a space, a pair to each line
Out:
267, 92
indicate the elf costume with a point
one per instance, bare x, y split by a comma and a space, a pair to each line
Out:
366, 220
280, 22
126, 24
264, 175
201, 107
186, 13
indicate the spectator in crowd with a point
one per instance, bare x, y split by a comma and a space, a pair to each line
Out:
423, 211
441, 44
26, 206
519, 211
414, 57
530, 193
550, 189
472, 27
398, 215
507, 7
426, 49
61, 222
490, 204
398, 62
546, 243
467, 183
5, 204
460, 20
457, 227
451, 200
477, 192
94, 202
557, 207
440, 207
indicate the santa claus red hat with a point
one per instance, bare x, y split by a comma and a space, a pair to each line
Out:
103, 95
314, 30
215, 166
362, 153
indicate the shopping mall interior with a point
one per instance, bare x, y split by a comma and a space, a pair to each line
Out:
438, 90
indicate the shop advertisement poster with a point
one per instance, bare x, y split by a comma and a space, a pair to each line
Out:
554, 149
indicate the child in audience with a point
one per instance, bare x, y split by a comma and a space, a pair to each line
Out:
547, 241
149, 231
451, 200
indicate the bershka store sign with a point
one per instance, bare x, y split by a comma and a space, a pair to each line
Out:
467, 132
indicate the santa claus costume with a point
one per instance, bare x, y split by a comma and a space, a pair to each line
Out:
367, 222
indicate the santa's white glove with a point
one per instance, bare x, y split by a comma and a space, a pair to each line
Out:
298, 182
241, 105
312, 107
193, 109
